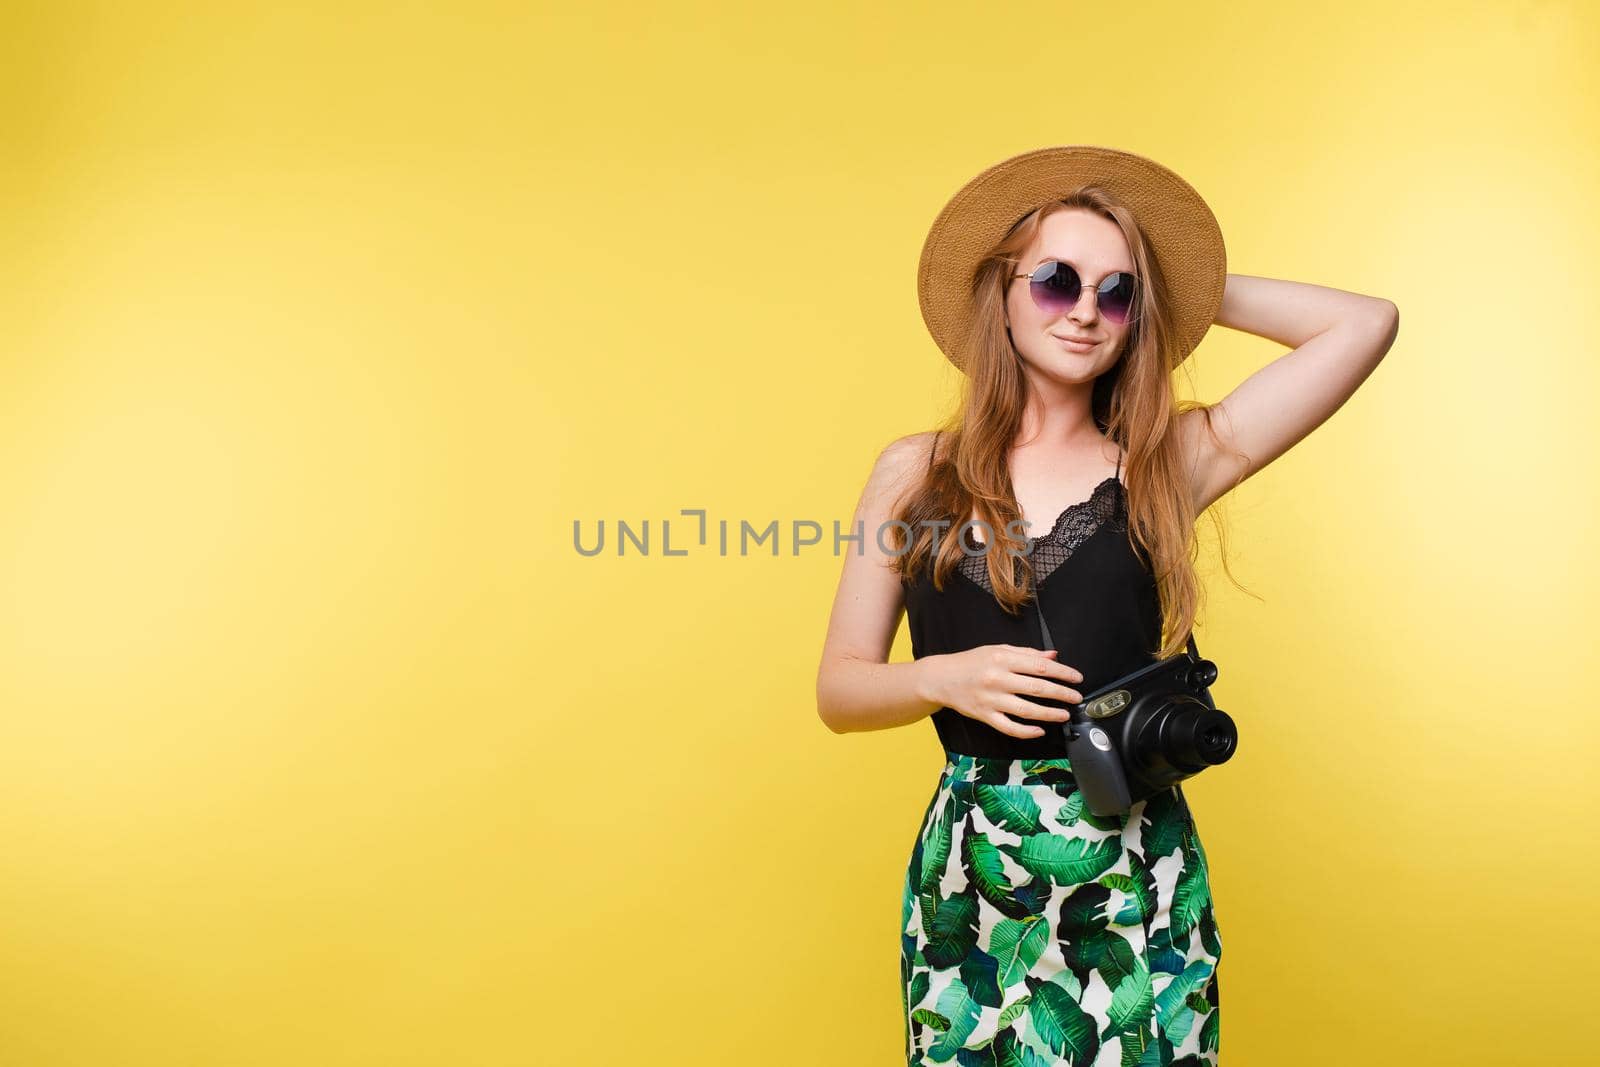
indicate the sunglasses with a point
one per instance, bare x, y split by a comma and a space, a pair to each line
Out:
1056, 286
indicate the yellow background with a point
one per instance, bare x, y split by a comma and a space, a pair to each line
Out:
321, 324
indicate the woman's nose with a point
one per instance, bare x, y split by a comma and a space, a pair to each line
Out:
1085, 309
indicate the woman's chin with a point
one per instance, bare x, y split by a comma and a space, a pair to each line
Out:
1068, 369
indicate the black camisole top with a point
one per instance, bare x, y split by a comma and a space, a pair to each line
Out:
1099, 599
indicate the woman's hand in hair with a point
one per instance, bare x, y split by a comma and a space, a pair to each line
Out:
990, 683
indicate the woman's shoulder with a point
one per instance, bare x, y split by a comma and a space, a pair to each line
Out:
917, 444
901, 464
910, 453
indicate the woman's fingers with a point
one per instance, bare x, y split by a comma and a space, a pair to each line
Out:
1029, 710
1007, 726
1043, 662
1041, 687
1011, 671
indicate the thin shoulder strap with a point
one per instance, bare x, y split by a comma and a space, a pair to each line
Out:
1119, 463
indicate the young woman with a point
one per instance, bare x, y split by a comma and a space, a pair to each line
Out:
1068, 284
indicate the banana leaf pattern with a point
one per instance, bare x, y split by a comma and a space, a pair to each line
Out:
1036, 933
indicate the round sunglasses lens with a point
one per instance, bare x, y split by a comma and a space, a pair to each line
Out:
1116, 301
1055, 288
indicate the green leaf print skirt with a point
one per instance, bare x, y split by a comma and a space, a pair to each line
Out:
1036, 933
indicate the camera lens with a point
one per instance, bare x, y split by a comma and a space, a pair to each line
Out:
1185, 736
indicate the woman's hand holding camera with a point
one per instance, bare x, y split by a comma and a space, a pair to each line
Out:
988, 684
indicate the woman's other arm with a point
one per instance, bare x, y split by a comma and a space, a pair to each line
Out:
856, 688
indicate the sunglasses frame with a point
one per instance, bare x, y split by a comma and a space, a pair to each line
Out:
1133, 313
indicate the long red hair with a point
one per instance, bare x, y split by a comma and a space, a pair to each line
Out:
1133, 404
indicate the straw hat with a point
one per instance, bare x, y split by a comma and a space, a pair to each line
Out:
1182, 231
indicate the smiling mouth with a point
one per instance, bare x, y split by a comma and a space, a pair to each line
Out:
1072, 340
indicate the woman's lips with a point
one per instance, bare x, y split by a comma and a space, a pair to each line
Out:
1076, 346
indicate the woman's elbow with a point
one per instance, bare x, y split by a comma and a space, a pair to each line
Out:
825, 706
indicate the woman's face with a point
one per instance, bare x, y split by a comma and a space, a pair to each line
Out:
1096, 248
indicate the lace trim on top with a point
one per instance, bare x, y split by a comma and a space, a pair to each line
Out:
1075, 525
